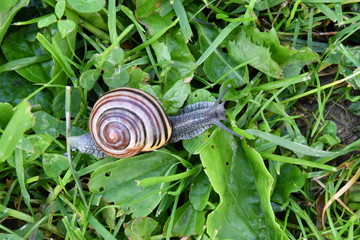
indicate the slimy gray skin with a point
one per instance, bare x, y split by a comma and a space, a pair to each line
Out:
190, 122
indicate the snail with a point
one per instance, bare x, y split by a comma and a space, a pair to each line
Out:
127, 121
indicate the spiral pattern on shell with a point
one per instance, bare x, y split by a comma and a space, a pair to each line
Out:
127, 121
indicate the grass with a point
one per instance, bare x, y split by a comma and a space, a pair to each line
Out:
294, 74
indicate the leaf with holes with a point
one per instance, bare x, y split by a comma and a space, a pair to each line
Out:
117, 181
238, 174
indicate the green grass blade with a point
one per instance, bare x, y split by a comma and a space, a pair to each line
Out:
112, 20
100, 229
131, 16
23, 63
218, 40
281, 83
327, 11
183, 21
114, 44
19, 123
13, 236
16, 214
58, 55
310, 26
20, 173
157, 180
71, 163
152, 39
296, 147
292, 14
297, 161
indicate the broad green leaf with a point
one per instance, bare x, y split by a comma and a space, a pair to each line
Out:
353, 81
297, 60
66, 27
175, 97
200, 191
87, 6
7, 5
140, 228
237, 173
290, 179
10, 236
355, 108
200, 95
290, 60
21, 121
109, 214
60, 8
330, 128
39, 143
193, 144
54, 164
116, 77
7, 112
59, 104
47, 124
95, 19
269, 40
243, 49
326, 138
146, 8
218, 63
114, 58
44, 22
26, 146
177, 65
116, 181
329, 133
187, 221
17, 46
88, 78
137, 76
6, 16
14, 88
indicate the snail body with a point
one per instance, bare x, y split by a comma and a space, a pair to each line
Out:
127, 121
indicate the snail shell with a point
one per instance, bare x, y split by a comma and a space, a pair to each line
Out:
127, 121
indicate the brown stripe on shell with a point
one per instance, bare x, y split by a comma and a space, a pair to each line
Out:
163, 118
163, 135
